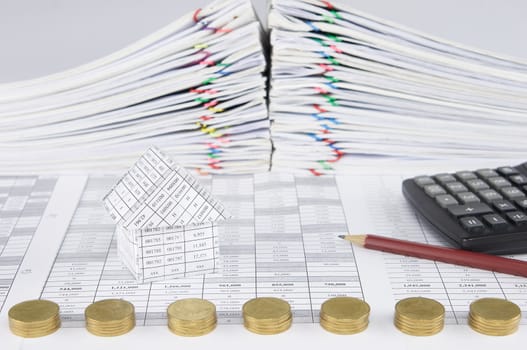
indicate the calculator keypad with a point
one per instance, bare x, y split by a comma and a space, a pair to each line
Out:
484, 201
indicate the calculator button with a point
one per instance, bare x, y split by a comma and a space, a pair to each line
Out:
422, 181
489, 195
512, 192
503, 205
455, 187
518, 218
477, 184
485, 173
445, 200
522, 203
469, 209
444, 178
466, 175
507, 170
434, 190
467, 197
496, 222
519, 179
472, 224
498, 182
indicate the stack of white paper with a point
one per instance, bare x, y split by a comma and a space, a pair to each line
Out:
195, 88
347, 87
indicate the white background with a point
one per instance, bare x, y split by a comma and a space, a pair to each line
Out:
39, 37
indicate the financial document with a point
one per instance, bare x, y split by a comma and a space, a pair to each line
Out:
281, 241
22, 203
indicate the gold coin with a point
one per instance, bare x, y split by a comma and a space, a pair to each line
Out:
494, 309
419, 316
493, 316
34, 318
267, 315
421, 332
191, 309
343, 329
420, 309
493, 330
269, 329
413, 325
267, 308
424, 326
192, 332
110, 317
344, 315
191, 317
344, 309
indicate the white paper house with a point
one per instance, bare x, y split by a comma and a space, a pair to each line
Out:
167, 223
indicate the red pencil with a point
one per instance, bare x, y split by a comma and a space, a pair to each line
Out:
448, 255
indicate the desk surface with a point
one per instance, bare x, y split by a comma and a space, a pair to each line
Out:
47, 36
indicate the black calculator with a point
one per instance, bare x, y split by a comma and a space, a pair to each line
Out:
482, 210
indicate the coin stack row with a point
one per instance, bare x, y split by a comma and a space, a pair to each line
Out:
196, 317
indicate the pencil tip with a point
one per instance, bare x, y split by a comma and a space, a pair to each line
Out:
355, 239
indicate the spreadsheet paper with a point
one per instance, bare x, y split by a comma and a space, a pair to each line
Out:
166, 220
281, 241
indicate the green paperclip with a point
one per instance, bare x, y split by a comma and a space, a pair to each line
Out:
336, 14
325, 165
208, 81
334, 38
331, 78
333, 60
332, 100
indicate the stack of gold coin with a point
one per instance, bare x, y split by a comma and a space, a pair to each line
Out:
109, 318
344, 315
191, 317
419, 316
34, 318
267, 315
494, 316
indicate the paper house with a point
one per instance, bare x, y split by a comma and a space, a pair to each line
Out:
167, 223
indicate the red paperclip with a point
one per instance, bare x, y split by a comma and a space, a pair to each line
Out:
210, 104
335, 48
314, 172
223, 30
319, 109
195, 15
326, 67
321, 90
339, 154
328, 4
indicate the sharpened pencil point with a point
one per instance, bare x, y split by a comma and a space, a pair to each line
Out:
355, 239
